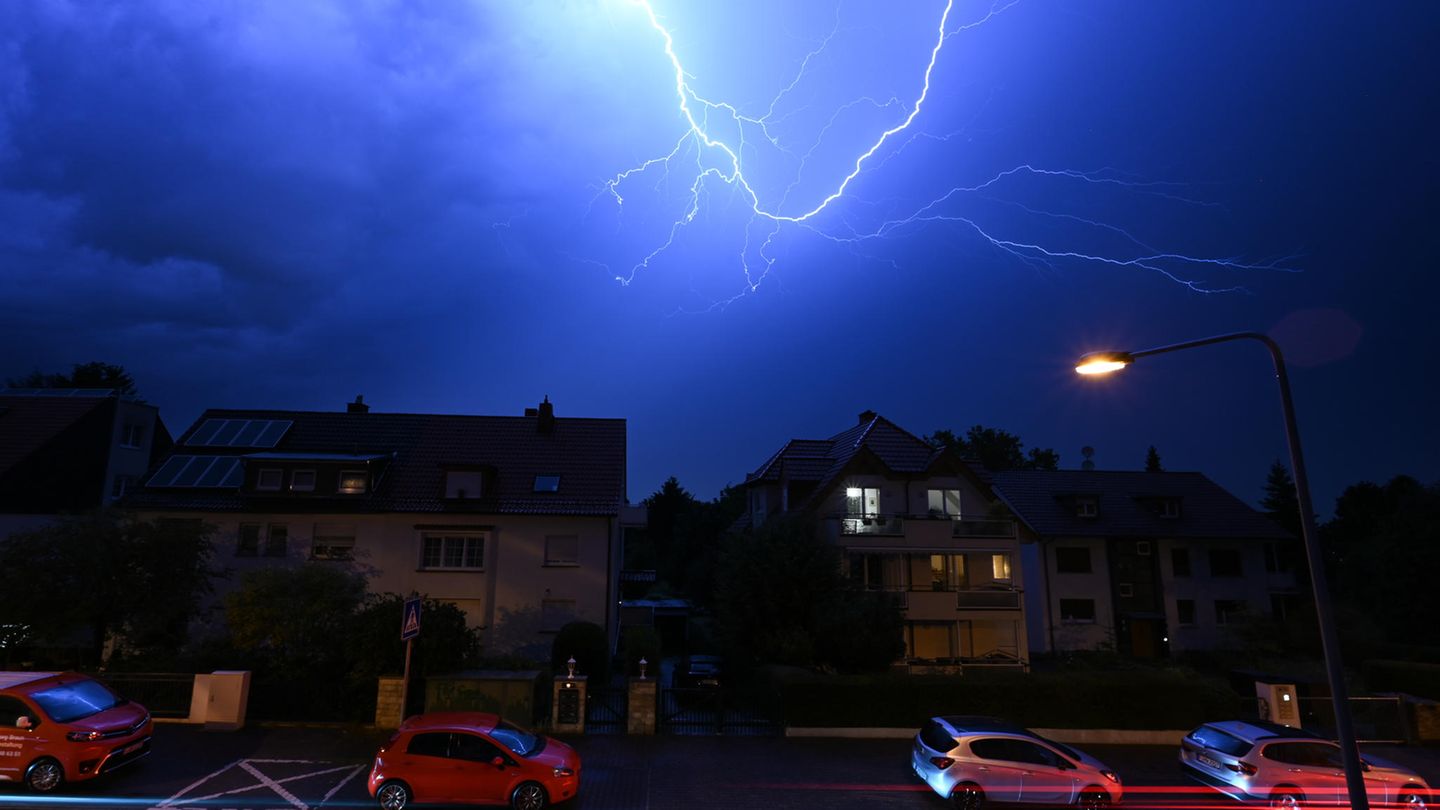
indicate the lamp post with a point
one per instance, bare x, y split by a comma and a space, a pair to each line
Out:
1097, 363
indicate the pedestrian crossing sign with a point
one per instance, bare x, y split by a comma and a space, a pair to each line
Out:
410, 624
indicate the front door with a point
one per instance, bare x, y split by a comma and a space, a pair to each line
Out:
1047, 780
998, 772
1144, 638
427, 767
478, 778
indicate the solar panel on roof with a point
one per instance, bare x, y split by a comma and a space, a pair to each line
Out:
270, 436
167, 473
203, 433
247, 435
258, 433
200, 472
227, 432
218, 472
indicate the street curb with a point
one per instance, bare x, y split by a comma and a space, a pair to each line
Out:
1080, 736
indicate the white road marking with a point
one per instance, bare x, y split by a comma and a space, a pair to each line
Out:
263, 781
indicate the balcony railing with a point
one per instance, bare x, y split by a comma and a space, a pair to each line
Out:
968, 527
894, 525
987, 599
873, 524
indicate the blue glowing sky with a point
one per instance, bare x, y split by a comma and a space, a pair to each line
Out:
463, 207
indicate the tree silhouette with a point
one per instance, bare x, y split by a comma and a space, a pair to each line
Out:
1152, 460
996, 449
82, 375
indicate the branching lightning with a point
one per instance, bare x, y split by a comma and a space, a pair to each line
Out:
712, 147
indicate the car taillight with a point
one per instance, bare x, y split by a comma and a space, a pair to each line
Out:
83, 736
1243, 767
561, 772
942, 762
1111, 775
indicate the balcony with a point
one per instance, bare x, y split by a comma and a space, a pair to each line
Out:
970, 527
885, 525
987, 599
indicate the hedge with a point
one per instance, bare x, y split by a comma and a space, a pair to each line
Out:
1123, 700
1410, 677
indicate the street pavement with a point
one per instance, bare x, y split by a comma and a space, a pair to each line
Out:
321, 767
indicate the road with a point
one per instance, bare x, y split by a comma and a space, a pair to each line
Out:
304, 768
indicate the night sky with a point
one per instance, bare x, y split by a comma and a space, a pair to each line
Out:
286, 204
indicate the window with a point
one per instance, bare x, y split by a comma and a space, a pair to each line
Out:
547, 483
1077, 611
562, 549
1072, 560
132, 435
862, 501
1279, 558
433, 744
1228, 611
120, 485
1185, 611
1168, 508
353, 482
474, 749
1225, 562
1142, 548
332, 541
878, 572
1087, 506
277, 540
462, 551
269, 480
302, 481
1125, 590
1180, 561
1000, 567
555, 614
759, 506
248, 544
944, 502
462, 484
947, 572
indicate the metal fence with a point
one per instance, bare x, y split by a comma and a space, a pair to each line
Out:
606, 710
718, 711
165, 694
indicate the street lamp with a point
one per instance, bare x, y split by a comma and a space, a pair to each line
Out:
1100, 363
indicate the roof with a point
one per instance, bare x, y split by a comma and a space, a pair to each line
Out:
1256, 730
822, 461
29, 421
479, 721
416, 449
9, 679
1044, 500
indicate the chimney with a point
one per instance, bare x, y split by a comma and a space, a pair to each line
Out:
358, 406
545, 423
867, 416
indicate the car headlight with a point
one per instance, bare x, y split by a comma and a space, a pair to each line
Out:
1111, 775
83, 736
563, 772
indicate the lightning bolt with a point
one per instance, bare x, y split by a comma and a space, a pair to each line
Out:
713, 143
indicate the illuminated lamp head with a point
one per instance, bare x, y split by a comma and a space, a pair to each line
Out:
1103, 362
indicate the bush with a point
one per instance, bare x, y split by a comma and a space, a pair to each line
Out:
640, 642
589, 645
1421, 680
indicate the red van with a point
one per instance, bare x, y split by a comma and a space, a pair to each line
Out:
58, 726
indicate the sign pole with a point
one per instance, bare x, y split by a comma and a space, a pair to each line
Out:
409, 629
405, 679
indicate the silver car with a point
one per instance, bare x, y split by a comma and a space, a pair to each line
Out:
974, 760
1254, 760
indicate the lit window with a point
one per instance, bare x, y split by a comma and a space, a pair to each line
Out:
352, 482
332, 541
862, 501
302, 481
555, 614
132, 435
269, 480
944, 502
562, 549
947, 572
1000, 566
547, 483
453, 551
462, 484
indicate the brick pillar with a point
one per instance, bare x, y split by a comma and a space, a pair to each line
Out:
388, 711
567, 712
641, 704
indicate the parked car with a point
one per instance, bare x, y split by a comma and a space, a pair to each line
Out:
698, 672
63, 726
1288, 767
974, 760
472, 758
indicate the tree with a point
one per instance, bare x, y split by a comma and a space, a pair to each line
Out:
1280, 503
107, 576
83, 375
996, 449
781, 598
1152, 460
298, 617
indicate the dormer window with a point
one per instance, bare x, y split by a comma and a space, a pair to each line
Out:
302, 481
132, 435
463, 484
1168, 508
547, 483
352, 482
1087, 506
269, 480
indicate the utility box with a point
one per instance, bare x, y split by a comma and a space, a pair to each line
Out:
219, 700
568, 709
1278, 703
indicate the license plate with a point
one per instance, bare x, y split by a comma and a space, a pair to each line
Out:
133, 747
1207, 761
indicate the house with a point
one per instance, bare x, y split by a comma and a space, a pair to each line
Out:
515, 519
67, 450
1149, 562
913, 521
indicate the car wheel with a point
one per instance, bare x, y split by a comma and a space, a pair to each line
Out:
45, 775
529, 796
1093, 799
1412, 797
393, 796
1286, 799
967, 796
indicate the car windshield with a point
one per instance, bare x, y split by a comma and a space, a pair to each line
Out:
517, 739
74, 701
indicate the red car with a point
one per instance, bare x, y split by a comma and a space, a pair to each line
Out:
64, 726
472, 758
